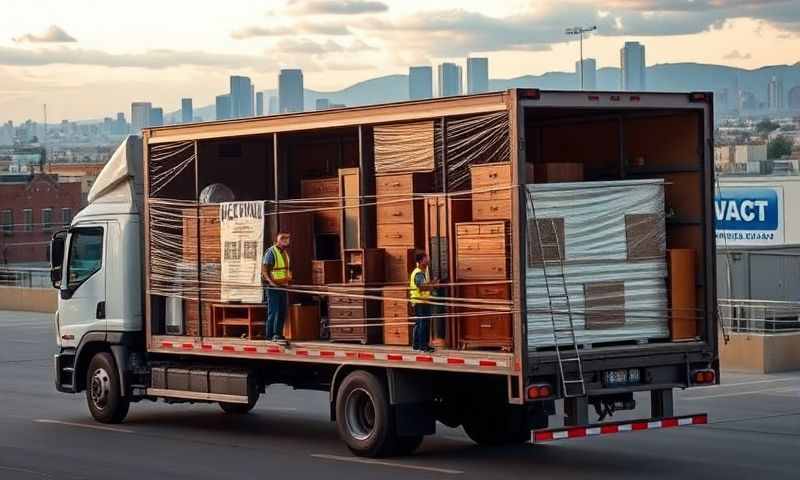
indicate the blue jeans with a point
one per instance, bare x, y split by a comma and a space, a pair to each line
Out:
421, 325
276, 311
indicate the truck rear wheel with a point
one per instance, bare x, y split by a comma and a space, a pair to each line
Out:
363, 416
103, 394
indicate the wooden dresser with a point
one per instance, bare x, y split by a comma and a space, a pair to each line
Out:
396, 330
349, 315
482, 255
326, 220
401, 232
491, 204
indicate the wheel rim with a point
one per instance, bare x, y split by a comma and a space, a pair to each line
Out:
100, 388
360, 414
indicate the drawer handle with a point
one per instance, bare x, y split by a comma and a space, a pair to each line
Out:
493, 175
486, 325
494, 208
397, 213
467, 268
396, 235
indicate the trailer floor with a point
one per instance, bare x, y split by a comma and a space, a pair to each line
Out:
755, 433
484, 361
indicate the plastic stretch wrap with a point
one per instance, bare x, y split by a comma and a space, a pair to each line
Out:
167, 161
612, 238
407, 147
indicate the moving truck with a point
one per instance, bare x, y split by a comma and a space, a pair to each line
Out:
570, 232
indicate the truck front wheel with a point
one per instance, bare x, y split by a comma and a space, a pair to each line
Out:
363, 415
103, 394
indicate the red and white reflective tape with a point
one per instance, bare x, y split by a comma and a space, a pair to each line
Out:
350, 355
541, 436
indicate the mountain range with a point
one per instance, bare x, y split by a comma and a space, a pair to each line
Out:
673, 77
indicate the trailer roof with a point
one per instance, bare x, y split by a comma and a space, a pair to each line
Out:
341, 117
420, 110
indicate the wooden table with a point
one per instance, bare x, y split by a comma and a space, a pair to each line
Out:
248, 317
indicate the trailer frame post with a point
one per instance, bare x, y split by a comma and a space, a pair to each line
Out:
576, 411
661, 403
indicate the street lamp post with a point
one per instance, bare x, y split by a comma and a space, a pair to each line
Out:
579, 31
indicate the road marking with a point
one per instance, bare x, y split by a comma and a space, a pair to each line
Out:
732, 394
797, 379
386, 464
25, 470
83, 425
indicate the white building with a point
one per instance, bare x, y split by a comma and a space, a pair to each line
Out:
587, 77
140, 116
632, 67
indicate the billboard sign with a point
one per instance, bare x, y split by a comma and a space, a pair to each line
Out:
749, 216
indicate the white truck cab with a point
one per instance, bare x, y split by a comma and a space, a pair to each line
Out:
96, 265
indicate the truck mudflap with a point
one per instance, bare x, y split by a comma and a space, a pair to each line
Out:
597, 429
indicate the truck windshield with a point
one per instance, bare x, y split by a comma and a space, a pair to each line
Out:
85, 255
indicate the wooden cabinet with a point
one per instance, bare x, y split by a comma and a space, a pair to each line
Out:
301, 228
350, 203
364, 266
492, 189
400, 263
324, 272
490, 329
400, 217
302, 323
557, 172
354, 319
482, 254
396, 329
326, 220
441, 215
209, 234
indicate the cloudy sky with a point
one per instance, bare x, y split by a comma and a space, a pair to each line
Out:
91, 58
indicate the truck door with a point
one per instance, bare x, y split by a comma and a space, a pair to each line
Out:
83, 287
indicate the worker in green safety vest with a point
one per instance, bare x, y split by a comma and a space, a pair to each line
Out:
276, 273
419, 288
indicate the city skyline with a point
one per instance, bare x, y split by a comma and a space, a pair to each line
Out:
150, 53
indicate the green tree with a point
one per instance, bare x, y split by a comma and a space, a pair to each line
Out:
779, 147
765, 126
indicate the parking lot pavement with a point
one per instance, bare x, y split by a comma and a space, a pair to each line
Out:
754, 432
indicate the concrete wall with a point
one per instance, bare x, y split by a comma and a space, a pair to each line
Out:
43, 300
761, 353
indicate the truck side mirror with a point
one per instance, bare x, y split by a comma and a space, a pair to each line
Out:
57, 257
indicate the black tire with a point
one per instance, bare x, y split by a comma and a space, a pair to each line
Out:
363, 416
239, 408
103, 394
242, 408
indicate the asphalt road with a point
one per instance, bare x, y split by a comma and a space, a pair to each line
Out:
754, 433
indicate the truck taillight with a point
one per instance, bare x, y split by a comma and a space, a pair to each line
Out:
539, 391
703, 377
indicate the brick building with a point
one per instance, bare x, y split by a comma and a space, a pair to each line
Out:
32, 207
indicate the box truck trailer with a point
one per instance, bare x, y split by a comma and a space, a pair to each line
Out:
570, 235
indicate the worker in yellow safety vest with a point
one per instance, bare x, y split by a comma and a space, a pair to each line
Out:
419, 288
276, 273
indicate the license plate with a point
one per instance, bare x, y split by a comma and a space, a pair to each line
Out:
623, 376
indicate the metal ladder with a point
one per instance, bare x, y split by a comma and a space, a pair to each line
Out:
566, 346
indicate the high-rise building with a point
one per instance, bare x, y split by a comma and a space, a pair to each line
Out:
223, 107
420, 83
156, 117
477, 74
322, 104
290, 90
140, 116
241, 97
775, 94
632, 67
272, 107
259, 103
187, 112
120, 126
450, 82
588, 75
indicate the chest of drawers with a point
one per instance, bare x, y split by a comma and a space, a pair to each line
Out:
353, 319
491, 185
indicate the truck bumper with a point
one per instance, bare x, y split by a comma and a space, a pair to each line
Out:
597, 429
